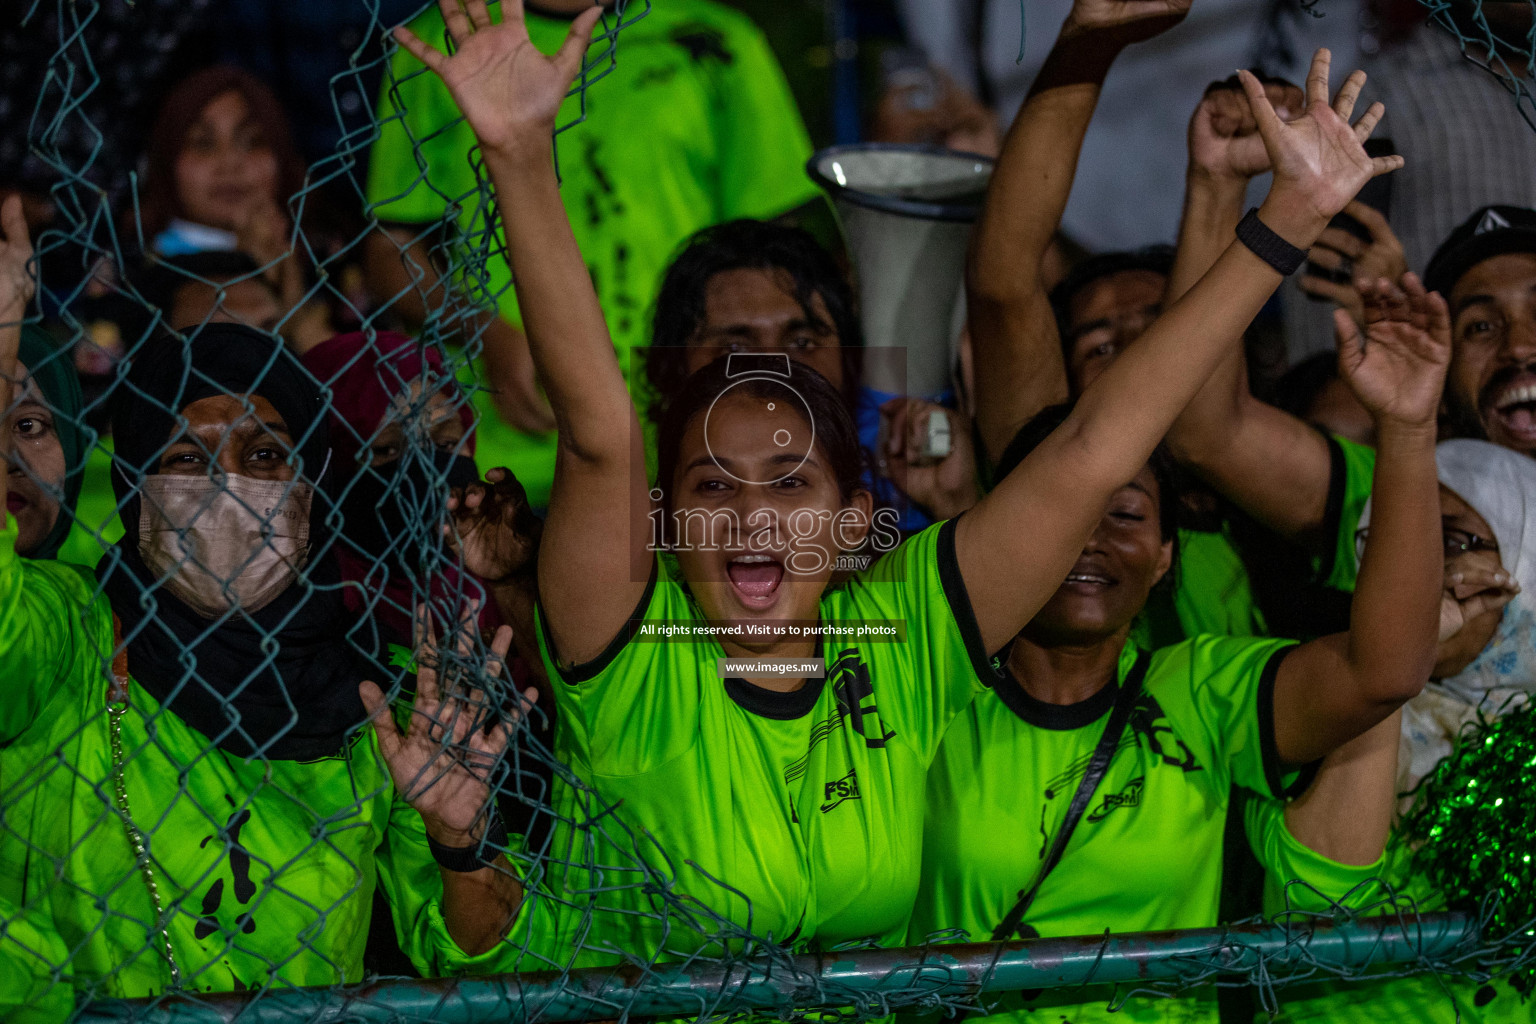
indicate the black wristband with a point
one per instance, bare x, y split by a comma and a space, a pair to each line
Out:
1268, 246
476, 855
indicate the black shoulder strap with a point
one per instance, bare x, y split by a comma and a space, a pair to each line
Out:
1097, 766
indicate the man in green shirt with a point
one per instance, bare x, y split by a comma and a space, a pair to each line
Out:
694, 125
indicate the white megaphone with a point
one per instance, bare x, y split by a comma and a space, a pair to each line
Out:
906, 213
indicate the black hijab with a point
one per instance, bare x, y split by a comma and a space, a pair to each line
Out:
52, 370
297, 701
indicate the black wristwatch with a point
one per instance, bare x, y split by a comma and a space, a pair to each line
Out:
476, 855
1268, 246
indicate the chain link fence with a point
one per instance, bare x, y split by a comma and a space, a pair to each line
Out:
197, 820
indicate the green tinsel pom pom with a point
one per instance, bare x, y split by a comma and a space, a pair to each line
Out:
1474, 822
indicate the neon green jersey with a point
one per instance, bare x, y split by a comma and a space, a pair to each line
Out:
1422, 997
1214, 590
266, 869
695, 125
795, 815
1145, 856
97, 526
1299, 878
1213, 596
30, 946
1347, 495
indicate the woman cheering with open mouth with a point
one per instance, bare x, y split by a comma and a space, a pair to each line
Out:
791, 807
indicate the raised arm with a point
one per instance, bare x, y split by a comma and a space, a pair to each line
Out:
1346, 813
1017, 352
1333, 689
1017, 545
593, 561
1269, 463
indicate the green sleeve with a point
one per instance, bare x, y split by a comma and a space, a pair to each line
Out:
636, 705
411, 884
1297, 878
1353, 469
55, 634
763, 144
1231, 690
97, 526
31, 949
919, 584
1212, 592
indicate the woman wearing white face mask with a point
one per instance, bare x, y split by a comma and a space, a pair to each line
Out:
186, 743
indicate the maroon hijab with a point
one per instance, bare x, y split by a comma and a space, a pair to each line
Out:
365, 374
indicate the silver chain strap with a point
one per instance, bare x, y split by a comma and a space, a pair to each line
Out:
115, 711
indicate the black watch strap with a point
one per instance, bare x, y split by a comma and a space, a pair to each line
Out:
1268, 246
476, 855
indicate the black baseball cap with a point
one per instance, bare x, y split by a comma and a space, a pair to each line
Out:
1491, 231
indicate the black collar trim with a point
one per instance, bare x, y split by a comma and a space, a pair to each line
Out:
775, 704
1057, 717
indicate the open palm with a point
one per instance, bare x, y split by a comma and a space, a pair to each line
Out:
443, 761
1319, 158
1397, 366
508, 90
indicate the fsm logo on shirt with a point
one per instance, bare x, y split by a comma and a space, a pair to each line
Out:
851, 686
838, 790
1149, 729
1130, 796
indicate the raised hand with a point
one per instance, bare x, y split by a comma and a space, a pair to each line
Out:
943, 486
1224, 140
1128, 21
497, 531
1319, 158
442, 763
17, 282
263, 232
1471, 592
508, 91
1397, 366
